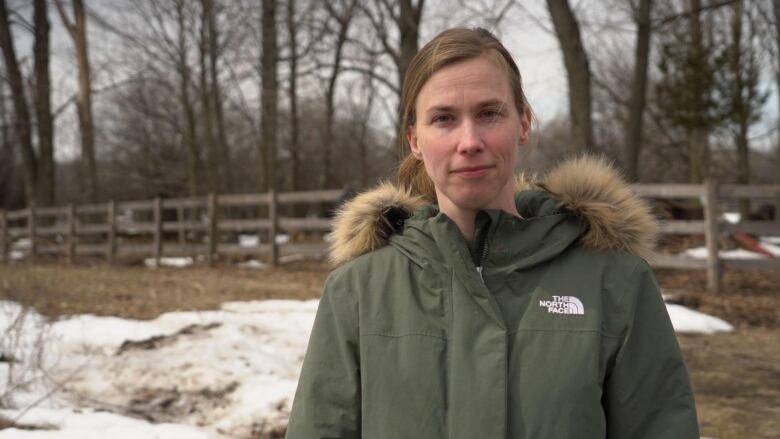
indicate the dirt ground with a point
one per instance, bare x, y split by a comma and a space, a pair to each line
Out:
736, 377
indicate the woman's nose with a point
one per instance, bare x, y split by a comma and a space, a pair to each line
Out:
470, 141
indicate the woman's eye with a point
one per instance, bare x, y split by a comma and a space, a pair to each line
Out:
491, 115
441, 118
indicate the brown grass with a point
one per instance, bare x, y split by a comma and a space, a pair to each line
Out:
736, 377
143, 293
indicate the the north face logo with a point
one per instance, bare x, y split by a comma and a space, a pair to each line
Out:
563, 305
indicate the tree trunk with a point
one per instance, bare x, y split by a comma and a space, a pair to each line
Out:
363, 137
292, 29
84, 103
698, 154
743, 164
698, 144
78, 32
45, 183
21, 110
636, 106
212, 159
330, 96
578, 72
216, 100
409, 30
189, 137
740, 106
8, 168
776, 9
269, 78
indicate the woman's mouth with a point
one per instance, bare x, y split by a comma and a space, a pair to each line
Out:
472, 171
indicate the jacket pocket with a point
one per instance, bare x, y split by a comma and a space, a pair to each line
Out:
404, 385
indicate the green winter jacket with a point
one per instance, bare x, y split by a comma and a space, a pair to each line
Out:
550, 327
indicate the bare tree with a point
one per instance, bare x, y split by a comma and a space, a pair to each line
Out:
23, 123
636, 106
182, 63
740, 86
222, 147
212, 157
343, 18
269, 60
43, 115
578, 72
402, 20
292, 30
776, 10
78, 32
8, 168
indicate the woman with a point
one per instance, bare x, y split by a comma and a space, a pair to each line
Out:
471, 304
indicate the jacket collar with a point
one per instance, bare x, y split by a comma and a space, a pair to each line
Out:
586, 187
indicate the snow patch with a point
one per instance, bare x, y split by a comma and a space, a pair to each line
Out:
248, 240
181, 262
230, 372
688, 321
732, 217
69, 423
253, 264
701, 253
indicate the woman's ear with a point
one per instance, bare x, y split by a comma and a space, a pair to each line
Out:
525, 126
411, 137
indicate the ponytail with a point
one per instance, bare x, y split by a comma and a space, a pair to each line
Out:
412, 177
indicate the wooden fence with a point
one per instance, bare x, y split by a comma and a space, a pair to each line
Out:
165, 227
712, 195
124, 228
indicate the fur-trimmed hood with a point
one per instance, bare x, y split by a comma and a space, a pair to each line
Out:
590, 188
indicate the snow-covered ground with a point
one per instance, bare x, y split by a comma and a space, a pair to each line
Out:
225, 373
211, 374
769, 243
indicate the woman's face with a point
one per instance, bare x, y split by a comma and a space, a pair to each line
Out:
467, 133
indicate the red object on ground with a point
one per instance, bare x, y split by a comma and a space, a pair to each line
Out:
750, 243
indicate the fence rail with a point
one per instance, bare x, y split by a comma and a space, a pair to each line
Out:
711, 195
140, 227
124, 228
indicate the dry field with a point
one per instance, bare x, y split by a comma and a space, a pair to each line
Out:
736, 376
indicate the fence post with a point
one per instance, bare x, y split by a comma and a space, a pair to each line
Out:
71, 233
4, 236
111, 225
180, 221
213, 235
777, 209
273, 217
32, 230
711, 235
158, 230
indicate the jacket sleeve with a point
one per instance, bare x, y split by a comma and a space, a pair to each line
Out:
647, 393
327, 400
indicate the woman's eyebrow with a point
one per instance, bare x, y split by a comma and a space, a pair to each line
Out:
443, 108
440, 109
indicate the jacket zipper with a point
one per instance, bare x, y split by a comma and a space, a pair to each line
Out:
480, 239
482, 258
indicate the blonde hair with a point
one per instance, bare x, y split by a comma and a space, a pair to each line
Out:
449, 47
